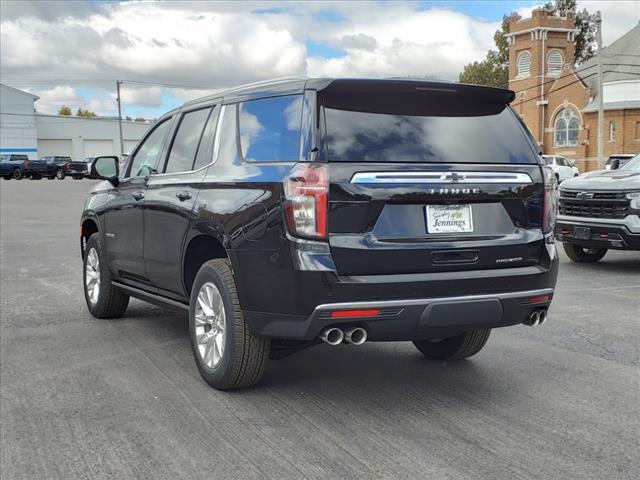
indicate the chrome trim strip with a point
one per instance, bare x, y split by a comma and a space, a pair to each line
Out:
441, 177
426, 301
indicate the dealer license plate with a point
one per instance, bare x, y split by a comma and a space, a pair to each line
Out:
449, 219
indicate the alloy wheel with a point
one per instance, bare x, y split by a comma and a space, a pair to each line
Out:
210, 323
92, 276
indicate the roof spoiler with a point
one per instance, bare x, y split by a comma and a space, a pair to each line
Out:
415, 97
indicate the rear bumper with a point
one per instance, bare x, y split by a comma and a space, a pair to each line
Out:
408, 319
283, 297
603, 235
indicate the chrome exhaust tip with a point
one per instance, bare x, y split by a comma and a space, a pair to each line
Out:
534, 318
332, 336
543, 317
355, 336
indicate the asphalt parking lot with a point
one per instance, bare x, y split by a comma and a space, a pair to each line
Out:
87, 398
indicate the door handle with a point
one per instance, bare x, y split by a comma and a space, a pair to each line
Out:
139, 195
183, 195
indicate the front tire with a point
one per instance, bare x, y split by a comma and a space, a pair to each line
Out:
227, 355
17, 174
60, 174
461, 346
583, 254
103, 300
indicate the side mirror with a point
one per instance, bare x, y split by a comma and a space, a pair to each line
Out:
106, 168
615, 164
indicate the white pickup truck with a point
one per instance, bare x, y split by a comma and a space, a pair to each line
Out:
600, 210
562, 167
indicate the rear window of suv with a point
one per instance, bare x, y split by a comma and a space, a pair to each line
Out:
353, 136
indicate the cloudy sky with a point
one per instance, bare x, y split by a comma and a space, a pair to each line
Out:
72, 52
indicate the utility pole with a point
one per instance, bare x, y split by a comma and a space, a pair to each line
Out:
118, 82
599, 94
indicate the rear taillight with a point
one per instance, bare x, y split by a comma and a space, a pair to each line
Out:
306, 192
550, 203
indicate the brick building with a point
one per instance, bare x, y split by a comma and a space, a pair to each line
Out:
558, 100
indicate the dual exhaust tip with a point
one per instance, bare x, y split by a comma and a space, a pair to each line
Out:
335, 336
537, 317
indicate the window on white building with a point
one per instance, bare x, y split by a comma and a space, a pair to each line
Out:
524, 64
566, 128
555, 62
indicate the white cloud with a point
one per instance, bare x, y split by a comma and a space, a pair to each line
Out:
144, 95
53, 98
211, 45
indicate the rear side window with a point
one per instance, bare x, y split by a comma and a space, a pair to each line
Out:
205, 150
187, 139
270, 129
353, 136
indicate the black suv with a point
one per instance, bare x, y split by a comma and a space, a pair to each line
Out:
290, 213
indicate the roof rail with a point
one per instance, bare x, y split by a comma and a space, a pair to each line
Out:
225, 91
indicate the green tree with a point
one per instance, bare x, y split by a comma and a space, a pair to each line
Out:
85, 113
585, 23
64, 110
140, 119
487, 72
494, 69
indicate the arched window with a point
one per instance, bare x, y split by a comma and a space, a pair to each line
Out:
555, 62
524, 64
566, 128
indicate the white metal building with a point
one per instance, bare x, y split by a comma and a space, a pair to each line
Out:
24, 131
17, 122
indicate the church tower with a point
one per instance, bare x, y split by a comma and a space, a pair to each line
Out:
540, 48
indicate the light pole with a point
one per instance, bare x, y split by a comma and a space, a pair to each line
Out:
118, 82
599, 94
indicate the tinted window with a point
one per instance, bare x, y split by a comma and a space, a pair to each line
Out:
186, 141
561, 162
144, 161
228, 143
375, 137
205, 150
270, 128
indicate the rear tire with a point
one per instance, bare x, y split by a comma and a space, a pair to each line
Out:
461, 346
17, 174
106, 301
227, 355
583, 254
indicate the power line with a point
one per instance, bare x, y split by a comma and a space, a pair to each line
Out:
555, 79
568, 84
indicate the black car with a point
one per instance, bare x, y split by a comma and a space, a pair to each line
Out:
287, 214
50, 167
13, 165
79, 169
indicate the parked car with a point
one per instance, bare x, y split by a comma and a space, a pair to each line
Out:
291, 213
562, 167
13, 166
79, 169
617, 160
50, 167
600, 211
